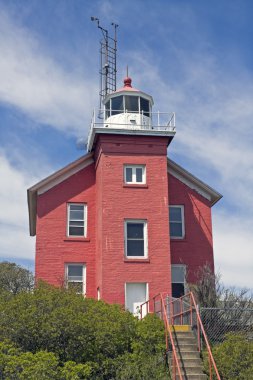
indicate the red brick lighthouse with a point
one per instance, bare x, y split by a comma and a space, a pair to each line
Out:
123, 222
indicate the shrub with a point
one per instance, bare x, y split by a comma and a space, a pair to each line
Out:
234, 358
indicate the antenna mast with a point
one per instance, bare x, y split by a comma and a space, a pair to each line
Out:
108, 61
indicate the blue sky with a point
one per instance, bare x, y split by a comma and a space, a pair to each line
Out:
194, 57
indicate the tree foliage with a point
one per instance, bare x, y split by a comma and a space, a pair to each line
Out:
234, 358
14, 278
211, 292
65, 336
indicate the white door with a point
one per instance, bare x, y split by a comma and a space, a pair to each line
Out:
136, 294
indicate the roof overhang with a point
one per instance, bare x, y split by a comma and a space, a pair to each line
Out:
128, 132
193, 182
51, 181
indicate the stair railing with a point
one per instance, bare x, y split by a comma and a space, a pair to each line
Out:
162, 313
179, 311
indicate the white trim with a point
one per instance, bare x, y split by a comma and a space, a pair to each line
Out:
84, 220
63, 176
193, 182
83, 275
129, 131
145, 237
134, 167
51, 181
182, 221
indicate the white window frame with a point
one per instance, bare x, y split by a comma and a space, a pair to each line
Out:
182, 221
83, 281
85, 212
145, 237
134, 167
183, 266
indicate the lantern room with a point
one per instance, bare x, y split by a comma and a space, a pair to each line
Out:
128, 111
128, 107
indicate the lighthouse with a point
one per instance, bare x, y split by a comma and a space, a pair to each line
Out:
123, 222
130, 152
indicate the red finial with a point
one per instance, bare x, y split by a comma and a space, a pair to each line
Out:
127, 82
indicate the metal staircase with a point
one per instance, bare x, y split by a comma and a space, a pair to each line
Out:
185, 335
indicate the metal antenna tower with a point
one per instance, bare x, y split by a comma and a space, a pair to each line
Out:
108, 61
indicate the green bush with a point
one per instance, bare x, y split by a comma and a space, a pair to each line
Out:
234, 358
52, 333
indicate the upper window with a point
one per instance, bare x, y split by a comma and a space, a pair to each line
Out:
127, 103
77, 216
144, 106
135, 174
136, 238
75, 277
178, 280
176, 218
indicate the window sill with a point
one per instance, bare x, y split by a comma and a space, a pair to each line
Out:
136, 185
126, 260
178, 239
77, 239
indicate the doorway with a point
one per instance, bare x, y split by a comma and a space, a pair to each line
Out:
136, 293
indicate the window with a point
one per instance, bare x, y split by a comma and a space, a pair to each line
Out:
144, 106
77, 216
117, 105
135, 174
176, 218
136, 239
127, 103
131, 103
178, 280
75, 277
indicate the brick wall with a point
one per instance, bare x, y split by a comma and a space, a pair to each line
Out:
53, 247
196, 249
118, 203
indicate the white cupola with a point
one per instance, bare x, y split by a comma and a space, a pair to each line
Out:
128, 107
128, 111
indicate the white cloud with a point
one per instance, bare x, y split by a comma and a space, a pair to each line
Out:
14, 227
214, 119
34, 83
233, 246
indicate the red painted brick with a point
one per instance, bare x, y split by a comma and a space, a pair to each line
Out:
109, 202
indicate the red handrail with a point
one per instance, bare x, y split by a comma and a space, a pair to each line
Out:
173, 315
164, 317
210, 355
174, 352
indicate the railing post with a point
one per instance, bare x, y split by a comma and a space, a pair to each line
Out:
191, 318
181, 311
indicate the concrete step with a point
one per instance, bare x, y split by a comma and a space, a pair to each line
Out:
189, 362
188, 354
194, 370
186, 347
182, 333
193, 377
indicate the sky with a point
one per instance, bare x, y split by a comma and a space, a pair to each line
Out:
194, 57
